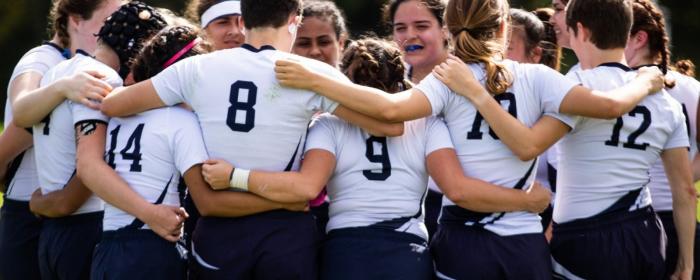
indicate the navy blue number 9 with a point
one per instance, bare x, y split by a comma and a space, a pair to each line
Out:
382, 158
238, 106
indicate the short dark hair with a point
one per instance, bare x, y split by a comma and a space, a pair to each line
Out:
609, 21
268, 13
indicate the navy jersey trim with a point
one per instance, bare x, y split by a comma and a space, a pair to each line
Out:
137, 224
617, 65
454, 214
294, 156
256, 50
552, 177
65, 53
12, 171
79, 51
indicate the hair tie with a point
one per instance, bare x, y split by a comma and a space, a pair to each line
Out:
468, 31
182, 52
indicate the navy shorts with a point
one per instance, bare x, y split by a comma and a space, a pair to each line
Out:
320, 213
617, 245
19, 240
433, 206
277, 244
463, 252
375, 253
137, 254
672, 244
66, 245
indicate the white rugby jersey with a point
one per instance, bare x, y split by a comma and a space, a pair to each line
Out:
378, 181
247, 118
25, 180
687, 92
151, 151
604, 164
536, 90
54, 138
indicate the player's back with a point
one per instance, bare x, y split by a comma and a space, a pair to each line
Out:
246, 117
22, 180
150, 151
54, 137
604, 164
535, 91
687, 92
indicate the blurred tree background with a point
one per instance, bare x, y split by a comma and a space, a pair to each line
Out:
23, 25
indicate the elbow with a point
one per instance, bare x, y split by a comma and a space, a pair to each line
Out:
19, 121
527, 154
390, 114
108, 108
455, 195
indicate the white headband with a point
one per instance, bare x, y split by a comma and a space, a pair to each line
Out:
220, 9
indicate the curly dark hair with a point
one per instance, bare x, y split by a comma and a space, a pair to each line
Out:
61, 11
376, 63
327, 11
685, 67
163, 46
126, 30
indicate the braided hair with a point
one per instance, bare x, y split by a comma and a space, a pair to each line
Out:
376, 63
126, 30
648, 18
163, 46
61, 10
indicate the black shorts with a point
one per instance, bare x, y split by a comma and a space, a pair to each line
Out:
463, 252
277, 244
137, 254
375, 253
617, 245
19, 241
433, 204
66, 245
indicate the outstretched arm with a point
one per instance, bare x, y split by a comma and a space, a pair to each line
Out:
60, 203
477, 195
290, 187
402, 106
126, 101
31, 104
369, 124
677, 166
226, 203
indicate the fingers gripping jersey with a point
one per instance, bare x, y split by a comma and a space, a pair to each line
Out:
687, 92
25, 180
378, 181
151, 151
246, 117
604, 164
54, 138
536, 91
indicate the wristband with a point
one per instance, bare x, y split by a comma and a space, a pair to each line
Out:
239, 179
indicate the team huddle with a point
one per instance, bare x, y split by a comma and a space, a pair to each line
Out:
263, 143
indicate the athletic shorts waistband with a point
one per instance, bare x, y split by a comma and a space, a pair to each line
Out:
15, 205
75, 219
603, 221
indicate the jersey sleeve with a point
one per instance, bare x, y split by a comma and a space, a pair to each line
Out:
38, 60
438, 93
82, 113
679, 135
323, 103
322, 134
552, 87
438, 137
171, 83
187, 143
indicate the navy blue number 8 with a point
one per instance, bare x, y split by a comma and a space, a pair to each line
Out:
238, 106
382, 158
